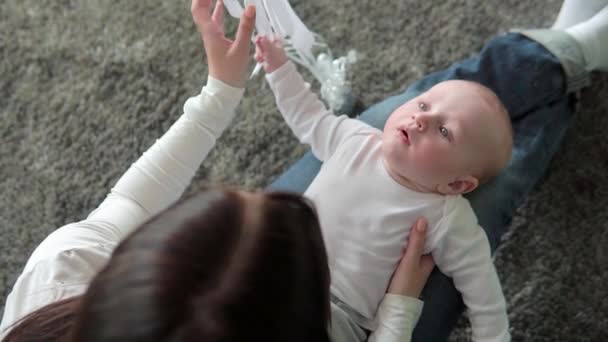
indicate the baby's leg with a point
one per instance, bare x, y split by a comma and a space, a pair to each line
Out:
299, 175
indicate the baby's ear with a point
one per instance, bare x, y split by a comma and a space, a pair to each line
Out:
462, 185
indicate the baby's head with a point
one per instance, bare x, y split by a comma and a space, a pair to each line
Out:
449, 139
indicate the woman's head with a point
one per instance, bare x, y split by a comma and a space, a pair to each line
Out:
218, 266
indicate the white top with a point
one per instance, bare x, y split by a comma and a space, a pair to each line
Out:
366, 215
66, 261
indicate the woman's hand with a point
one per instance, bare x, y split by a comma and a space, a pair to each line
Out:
228, 60
414, 268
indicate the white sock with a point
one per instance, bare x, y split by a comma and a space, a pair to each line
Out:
592, 36
577, 11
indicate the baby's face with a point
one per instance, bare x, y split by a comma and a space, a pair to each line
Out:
439, 136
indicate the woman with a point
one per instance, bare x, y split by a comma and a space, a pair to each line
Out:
221, 265
154, 289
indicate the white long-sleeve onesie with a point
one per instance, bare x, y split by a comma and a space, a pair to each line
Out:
365, 215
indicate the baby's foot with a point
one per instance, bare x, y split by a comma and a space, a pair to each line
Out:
592, 36
270, 53
576, 11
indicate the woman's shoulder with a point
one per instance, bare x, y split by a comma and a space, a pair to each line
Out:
60, 267
77, 244
55, 271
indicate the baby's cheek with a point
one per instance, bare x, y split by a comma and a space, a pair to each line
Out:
428, 165
433, 163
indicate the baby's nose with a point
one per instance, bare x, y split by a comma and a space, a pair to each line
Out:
421, 122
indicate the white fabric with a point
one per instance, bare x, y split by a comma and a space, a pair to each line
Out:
66, 261
574, 12
592, 37
397, 317
365, 215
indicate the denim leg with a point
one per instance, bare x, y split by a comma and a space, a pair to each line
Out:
530, 82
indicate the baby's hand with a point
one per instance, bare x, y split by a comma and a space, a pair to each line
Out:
270, 53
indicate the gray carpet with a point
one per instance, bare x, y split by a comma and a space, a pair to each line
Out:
86, 86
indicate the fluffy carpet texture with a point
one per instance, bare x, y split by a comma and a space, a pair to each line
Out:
86, 86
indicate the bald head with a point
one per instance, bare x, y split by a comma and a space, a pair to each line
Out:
457, 135
495, 133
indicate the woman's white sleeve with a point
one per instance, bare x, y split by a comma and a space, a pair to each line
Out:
397, 316
155, 181
160, 176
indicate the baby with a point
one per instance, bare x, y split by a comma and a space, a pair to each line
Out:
374, 184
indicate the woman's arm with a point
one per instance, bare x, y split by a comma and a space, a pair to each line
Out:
400, 309
66, 260
160, 176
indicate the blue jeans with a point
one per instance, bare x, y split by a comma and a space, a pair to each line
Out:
531, 83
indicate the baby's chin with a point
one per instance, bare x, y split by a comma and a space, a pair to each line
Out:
411, 180
398, 173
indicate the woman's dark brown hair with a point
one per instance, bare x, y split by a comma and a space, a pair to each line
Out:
218, 266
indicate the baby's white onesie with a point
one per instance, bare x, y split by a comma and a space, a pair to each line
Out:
366, 215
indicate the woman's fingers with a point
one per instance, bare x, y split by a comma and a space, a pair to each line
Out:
414, 268
201, 10
218, 15
426, 264
415, 248
245, 30
415, 244
228, 60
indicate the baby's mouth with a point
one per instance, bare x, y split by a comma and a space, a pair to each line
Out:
405, 136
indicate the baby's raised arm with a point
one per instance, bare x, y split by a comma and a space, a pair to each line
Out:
309, 119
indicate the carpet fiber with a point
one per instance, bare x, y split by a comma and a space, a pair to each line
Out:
86, 86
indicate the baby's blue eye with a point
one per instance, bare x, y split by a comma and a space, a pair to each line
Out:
444, 131
422, 106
